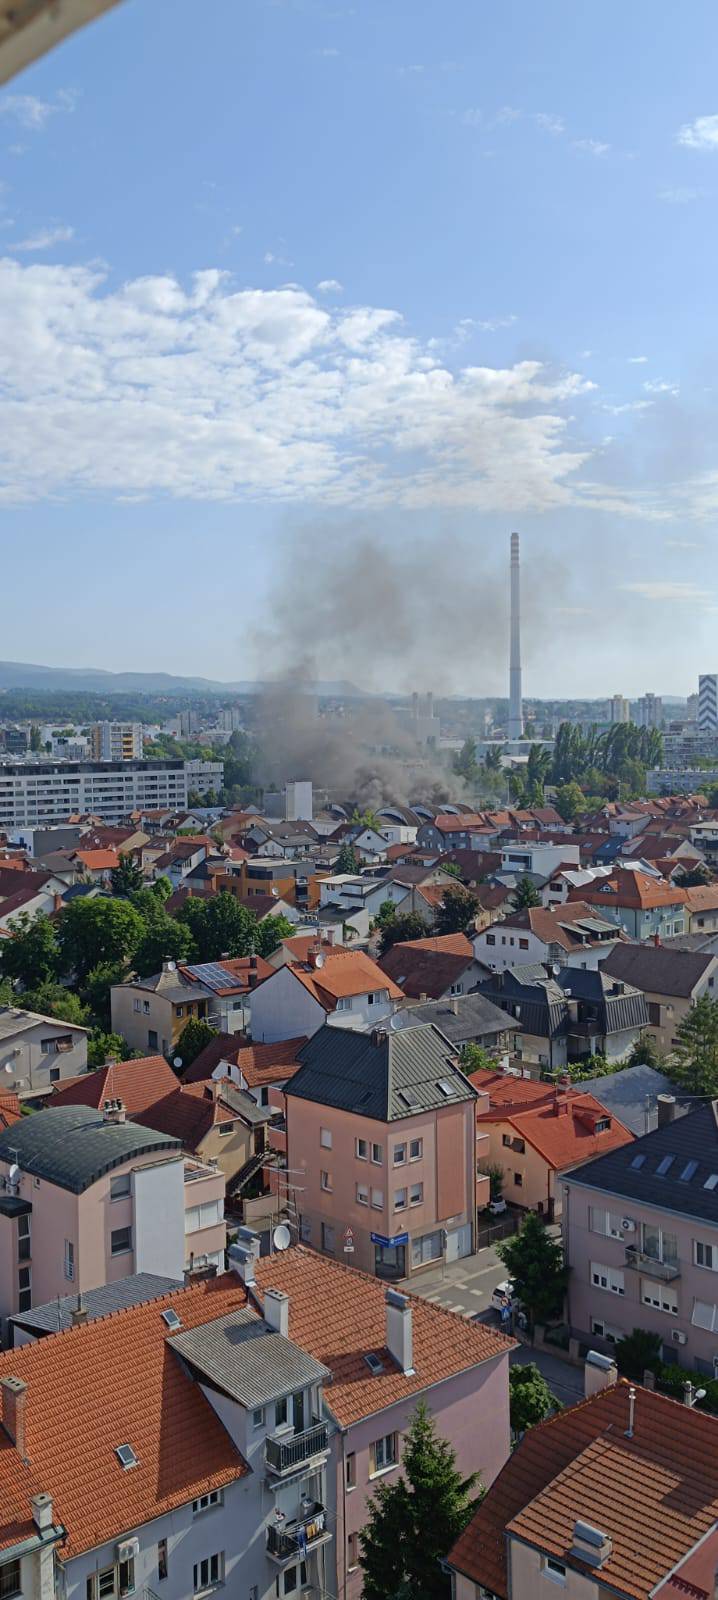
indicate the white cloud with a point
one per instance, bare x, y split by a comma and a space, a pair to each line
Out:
328, 52
507, 114
659, 386
668, 590
594, 147
45, 238
472, 118
550, 124
628, 405
212, 392
636, 361
679, 197
702, 134
492, 324
31, 112
683, 544
330, 286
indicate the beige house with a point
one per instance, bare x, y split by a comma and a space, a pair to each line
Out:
37, 1052
150, 1013
672, 980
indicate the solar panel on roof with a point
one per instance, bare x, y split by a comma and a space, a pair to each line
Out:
213, 975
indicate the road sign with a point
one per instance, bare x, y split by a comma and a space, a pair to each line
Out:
348, 1237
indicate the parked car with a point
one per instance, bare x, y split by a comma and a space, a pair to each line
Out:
504, 1295
498, 1206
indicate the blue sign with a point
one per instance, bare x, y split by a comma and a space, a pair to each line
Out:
381, 1238
505, 1313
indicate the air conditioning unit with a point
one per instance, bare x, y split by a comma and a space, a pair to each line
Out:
628, 1225
128, 1549
678, 1336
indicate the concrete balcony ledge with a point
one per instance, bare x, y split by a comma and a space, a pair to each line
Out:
638, 1261
287, 1452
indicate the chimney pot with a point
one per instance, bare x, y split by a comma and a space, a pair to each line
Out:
276, 1311
666, 1106
399, 1330
14, 1399
79, 1314
41, 1506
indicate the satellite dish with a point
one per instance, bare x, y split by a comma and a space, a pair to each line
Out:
281, 1238
319, 959
14, 1173
177, 1062
7, 1066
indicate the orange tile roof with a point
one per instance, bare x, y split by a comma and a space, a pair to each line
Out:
97, 860
299, 946
343, 973
187, 1113
138, 1083
428, 966
113, 1382
629, 887
258, 1063
338, 1314
565, 1136
702, 898
9, 1110
655, 1494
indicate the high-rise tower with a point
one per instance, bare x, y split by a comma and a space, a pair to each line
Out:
516, 713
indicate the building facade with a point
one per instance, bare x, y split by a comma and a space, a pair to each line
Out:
33, 792
117, 741
708, 702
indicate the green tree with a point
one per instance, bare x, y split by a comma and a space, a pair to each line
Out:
492, 759
347, 858
451, 867
399, 928
465, 763
413, 1522
219, 926
474, 1058
97, 986
535, 1263
35, 738
102, 1047
31, 956
530, 1399
693, 1062
194, 1036
525, 895
269, 934
570, 801
456, 910
713, 798
52, 1000
697, 878
645, 1050
538, 768
127, 878
95, 931
638, 1352
163, 940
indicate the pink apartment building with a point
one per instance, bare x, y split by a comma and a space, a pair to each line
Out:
87, 1198
382, 1149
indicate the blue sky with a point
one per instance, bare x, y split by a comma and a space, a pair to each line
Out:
304, 279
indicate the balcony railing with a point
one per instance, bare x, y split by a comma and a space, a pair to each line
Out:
640, 1262
284, 1454
286, 1542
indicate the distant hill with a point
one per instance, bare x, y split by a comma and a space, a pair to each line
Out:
93, 680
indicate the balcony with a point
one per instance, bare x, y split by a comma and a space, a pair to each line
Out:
286, 1542
637, 1259
287, 1453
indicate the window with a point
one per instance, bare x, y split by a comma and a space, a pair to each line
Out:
523, 944
69, 1260
704, 1315
350, 1470
152, 1038
23, 1238
491, 938
607, 1278
126, 1575
162, 1567
120, 1241
180, 1011
361, 1149
400, 1199
659, 1296
352, 1552
506, 1140
57, 1046
659, 1244
377, 1199
225, 1128
325, 1182
105, 1582
362, 1194
705, 1255
206, 1501
518, 1180
328, 1238
289, 1581
137, 1005
605, 1331
146, 1007
24, 1287
607, 1223
555, 1570
9, 1579
428, 1248
120, 1186
258, 1417
416, 1194
281, 1412
325, 1138
416, 1149
305, 1230
382, 1453
399, 1155
601, 1124
209, 1572
54, 1074
344, 1003
377, 1154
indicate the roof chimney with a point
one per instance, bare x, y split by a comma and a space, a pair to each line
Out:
14, 1398
599, 1372
114, 1111
78, 1315
243, 1255
378, 1037
276, 1311
666, 1106
41, 1507
454, 1006
590, 1544
399, 1330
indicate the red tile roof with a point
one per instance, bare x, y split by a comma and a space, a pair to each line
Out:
258, 1064
343, 973
428, 966
97, 860
9, 1110
187, 1113
113, 1382
138, 1084
560, 1126
338, 1314
631, 888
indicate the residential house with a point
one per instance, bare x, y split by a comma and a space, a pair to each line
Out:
701, 907
381, 1140
345, 986
569, 1015
41, 1322
671, 979
37, 1052
464, 1019
150, 1013
90, 1197
455, 830
643, 906
538, 1131
300, 946
95, 865
434, 968
614, 1497
537, 857
572, 935
641, 1237
633, 1094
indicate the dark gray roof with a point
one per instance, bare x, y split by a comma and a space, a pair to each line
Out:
133, 1291
383, 1075
247, 1359
617, 1006
659, 969
467, 1017
689, 1139
542, 1005
631, 1095
72, 1146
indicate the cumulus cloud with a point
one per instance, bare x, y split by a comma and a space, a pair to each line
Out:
636, 361
668, 590
213, 392
31, 112
593, 147
45, 238
702, 134
550, 124
660, 386
330, 286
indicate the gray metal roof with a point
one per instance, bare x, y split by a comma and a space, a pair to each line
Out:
631, 1095
658, 969
14, 1021
383, 1075
688, 1140
133, 1291
467, 1017
247, 1360
72, 1146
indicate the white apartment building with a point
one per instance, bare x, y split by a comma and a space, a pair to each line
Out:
33, 792
117, 741
204, 775
619, 708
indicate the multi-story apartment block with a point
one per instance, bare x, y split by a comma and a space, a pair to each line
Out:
649, 711
641, 1238
117, 741
708, 702
88, 1197
40, 791
619, 708
381, 1145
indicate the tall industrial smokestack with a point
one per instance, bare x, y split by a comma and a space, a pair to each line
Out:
516, 714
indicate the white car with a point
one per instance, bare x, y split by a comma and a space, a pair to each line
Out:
497, 1207
504, 1295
